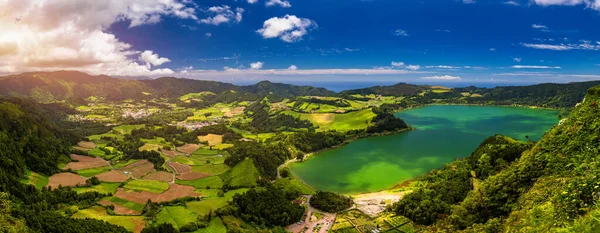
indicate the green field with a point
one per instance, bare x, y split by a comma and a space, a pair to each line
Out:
214, 182
152, 186
93, 171
36, 179
243, 175
340, 122
176, 215
293, 184
129, 204
126, 129
213, 202
212, 169
216, 226
104, 188
99, 212
124, 164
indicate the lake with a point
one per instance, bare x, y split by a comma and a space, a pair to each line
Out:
443, 133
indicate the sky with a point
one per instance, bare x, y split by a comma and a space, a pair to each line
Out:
450, 42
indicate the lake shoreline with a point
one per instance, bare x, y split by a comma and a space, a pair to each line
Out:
391, 187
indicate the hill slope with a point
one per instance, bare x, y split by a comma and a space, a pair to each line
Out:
554, 186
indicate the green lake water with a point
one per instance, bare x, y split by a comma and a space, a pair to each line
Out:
443, 133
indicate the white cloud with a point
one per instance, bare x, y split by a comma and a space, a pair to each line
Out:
66, 34
560, 2
282, 3
516, 59
536, 67
514, 3
252, 1
445, 67
469, 1
593, 4
289, 28
293, 67
257, 65
222, 14
444, 78
208, 34
152, 59
235, 72
398, 64
586, 45
539, 26
492, 49
413, 67
400, 32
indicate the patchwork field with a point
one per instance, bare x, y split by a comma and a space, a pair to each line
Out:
36, 179
340, 122
188, 148
104, 188
152, 186
176, 216
131, 223
213, 182
113, 176
139, 168
175, 191
159, 176
85, 162
65, 179
212, 139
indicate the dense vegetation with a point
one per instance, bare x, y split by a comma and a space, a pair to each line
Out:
551, 185
330, 202
385, 121
262, 121
28, 141
267, 207
450, 185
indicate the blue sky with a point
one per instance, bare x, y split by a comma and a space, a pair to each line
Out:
456, 42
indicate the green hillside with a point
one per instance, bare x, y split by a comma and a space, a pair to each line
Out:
552, 187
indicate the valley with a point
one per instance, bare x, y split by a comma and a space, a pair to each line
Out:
199, 156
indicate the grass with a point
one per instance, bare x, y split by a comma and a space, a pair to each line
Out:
243, 175
156, 141
212, 139
104, 188
152, 186
124, 164
293, 184
99, 212
97, 152
129, 204
205, 205
339, 122
93, 171
440, 90
214, 182
211, 169
222, 146
203, 151
215, 226
176, 215
150, 147
36, 179
189, 160
126, 129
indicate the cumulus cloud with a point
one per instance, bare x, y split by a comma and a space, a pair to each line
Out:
208, 34
252, 1
444, 78
536, 67
222, 14
66, 34
398, 64
400, 32
289, 28
152, 59
445, 67
539, 26
413, 67
516, 59
257, 65
282, 3
293, 67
